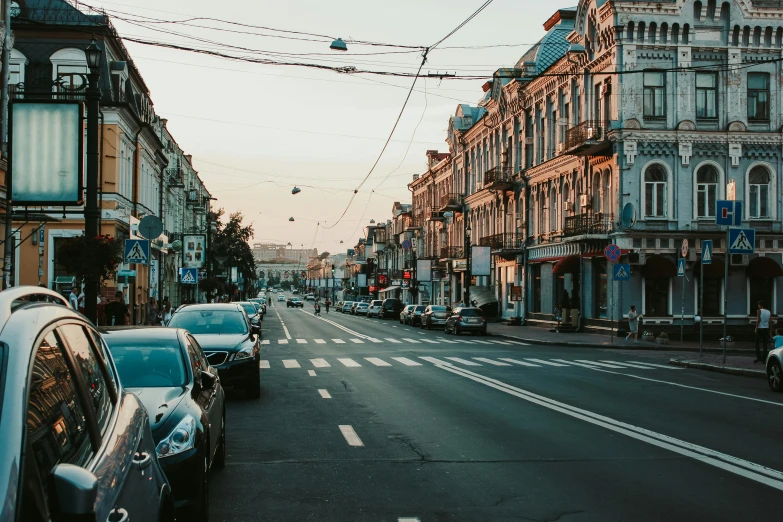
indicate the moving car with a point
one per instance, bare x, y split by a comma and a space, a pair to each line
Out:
435, 315
230, 343
775, 369
295, 302
167, 370
309, 297
346, 306
466, 319
375, 308
280, 297
391, 307
252, 312
361, 309
75, 444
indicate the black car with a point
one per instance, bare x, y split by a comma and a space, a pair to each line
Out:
75, 444
466, 319
411, 314
435, 315
167, 370
230, 343
391, 307
294, 302
252, 312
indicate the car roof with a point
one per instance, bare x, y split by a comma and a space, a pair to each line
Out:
208, 306
141, 332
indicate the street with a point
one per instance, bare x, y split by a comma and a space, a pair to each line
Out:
362, 419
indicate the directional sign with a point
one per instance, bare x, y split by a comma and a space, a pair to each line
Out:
137, 251
684, 248
706, 251
612, 253
681, 267
405, 283
728, 213
742, 240
622, 272
188, 276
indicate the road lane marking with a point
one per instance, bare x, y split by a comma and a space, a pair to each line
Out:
338, 341
374, 340
463, 361
665, 366
282, 341
541, 361
408, 519
406, 361
338, 325
350, 435
350, 363
319, 341
263, 364
504, 343
301, 341
449, 341
291, 363
320, 363
265, 341
395, 341
287, 335
628, 365
602, 365
520, 343
324, 394
357, 341
481, 342
521, 363
412, 341
433, 360
429, 341
376, 361
490, 361
741, 467
572, 363
311, 373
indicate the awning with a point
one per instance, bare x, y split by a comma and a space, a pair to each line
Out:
388, 289
567, 265
764, 267
658, 267
716, 269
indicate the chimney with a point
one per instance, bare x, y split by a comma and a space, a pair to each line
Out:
415, 177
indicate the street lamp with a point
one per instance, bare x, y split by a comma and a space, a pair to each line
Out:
338, 45
92, 213
468, 253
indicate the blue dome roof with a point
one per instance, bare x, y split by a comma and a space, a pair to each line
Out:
551, 47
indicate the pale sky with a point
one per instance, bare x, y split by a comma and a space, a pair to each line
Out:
256, 131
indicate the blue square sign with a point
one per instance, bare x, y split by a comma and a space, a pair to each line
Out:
622, 272
137, 251
728, 213
742, 240
188, 276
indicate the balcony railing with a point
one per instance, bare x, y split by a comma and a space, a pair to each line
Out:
589, 223
175, 177
498, 176
436, 214
587, 138
502, 241
451, 201
452, 252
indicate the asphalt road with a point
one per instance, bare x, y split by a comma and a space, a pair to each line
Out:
362, 419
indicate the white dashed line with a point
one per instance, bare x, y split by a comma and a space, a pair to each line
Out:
376, 361
265, 341
490, 361
395, 341
357, 341
301, 341
311, 373
603, 365
406, 361
548, 363
413, 341
282, 341
350, 363
521, 363
324, 394
350, 435
291, 363
320, 363
263, 364
338, 341
319, 341
628, 365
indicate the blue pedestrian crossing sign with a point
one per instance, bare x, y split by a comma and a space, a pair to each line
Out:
742, 240
728, 213
681, 267
137, 251
188, 276
622, 272
706, 251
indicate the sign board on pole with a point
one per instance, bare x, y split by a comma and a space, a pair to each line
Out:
706, 251
406, 244
188, 276
728, 213
194, 250
405, 283
622, 272
681, 267
612, 253
137, 251
684, 248
742, 240
516, 293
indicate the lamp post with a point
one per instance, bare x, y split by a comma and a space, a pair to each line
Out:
468, 252
92, 214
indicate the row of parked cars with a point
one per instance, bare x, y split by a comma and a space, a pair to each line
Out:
463, 319
123, 423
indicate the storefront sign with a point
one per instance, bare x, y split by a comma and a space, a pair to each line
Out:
406, 274
460, 264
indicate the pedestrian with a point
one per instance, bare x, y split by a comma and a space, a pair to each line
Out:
153, 313
167, 310
116, 312
762, 330
317, 308
73, 298
633, 324
778, 339
327, 303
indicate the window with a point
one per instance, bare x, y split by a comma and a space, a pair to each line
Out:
654, 94
712, 296
706, 95
758, 96
761, 289
656, 296
758, 192
706, 191
655, 191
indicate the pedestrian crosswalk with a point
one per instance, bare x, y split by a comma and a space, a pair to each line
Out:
446, 360
393, 340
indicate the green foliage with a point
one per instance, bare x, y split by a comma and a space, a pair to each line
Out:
90, 257
232, 240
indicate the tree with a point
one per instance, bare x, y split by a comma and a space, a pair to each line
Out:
231, 241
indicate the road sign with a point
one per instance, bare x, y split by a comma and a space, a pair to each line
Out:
742, 240
681, 267
405, 283
150, 227
706, 251
622, 272
684, 248
612, 253
188, 276
137, 251
728, 213
406, 244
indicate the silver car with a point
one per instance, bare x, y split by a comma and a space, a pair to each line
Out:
775, 369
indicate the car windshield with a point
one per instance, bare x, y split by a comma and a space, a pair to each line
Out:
376, 303
470, 312
363, 305
249, 308
210, 322
148, 363
438, 308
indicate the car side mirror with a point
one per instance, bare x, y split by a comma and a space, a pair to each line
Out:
208, 380
75, 491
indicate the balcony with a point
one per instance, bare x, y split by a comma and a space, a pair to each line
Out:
381, 236
589, 223
508, 241
175, 177
452, 252
415, 223
436, 214
451, 202
499, 178
589, 138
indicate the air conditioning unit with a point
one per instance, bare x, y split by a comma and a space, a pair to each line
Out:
569, 206
560, 147
594, 133
739, 260
637, 258
584, 200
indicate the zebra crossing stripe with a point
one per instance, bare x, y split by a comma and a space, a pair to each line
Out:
265, 341
376, 361
263, 364
338, 341
500, 342
541, 361
449, 341
406, 361
350, 363
520, 343
320, 363
301, 341
521, 363
393, 340
630, 365
374, 340
291, 363
319, 341
282, 341
433, 360
463, 361
596, 363
357, 341
490, 361
575, 364
429, 341
482, 342
412, 341
659, 365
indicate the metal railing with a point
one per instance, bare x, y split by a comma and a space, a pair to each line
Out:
498, 175
587, 131
588, 223
502, 241
452, 199
452, 252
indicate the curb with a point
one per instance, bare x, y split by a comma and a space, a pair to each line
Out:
744, 372
641, 346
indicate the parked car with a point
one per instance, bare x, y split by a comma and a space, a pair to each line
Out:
466, 319
76, 445
353, 307
294, 291
339, 306
294, 302
261, 302
230, 343
252, 312
347, 307
309, 297
361, 309
775, 369
391, 307
412, 314
404, 313
434, 315
168, 371
375, 308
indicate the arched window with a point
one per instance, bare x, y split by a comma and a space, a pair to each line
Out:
758, 192
595, 203
655, 191
69, 67
553, 204
607, 196
706, 191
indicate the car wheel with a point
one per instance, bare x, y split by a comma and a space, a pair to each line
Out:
775, 376
458, 329
220, 456
254, 389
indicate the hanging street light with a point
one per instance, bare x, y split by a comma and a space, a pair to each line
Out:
296, 190
291, 219
338, 45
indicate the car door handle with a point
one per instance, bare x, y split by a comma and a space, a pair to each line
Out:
142, 460
117, 515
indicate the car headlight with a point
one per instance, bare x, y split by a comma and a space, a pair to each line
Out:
245, 353
181, 438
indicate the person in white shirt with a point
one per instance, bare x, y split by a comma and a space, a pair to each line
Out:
762, 330
73, 299
633, 324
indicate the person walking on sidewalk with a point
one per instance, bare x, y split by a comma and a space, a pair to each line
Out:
317, 308
762, 330
327, 303
633, 324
